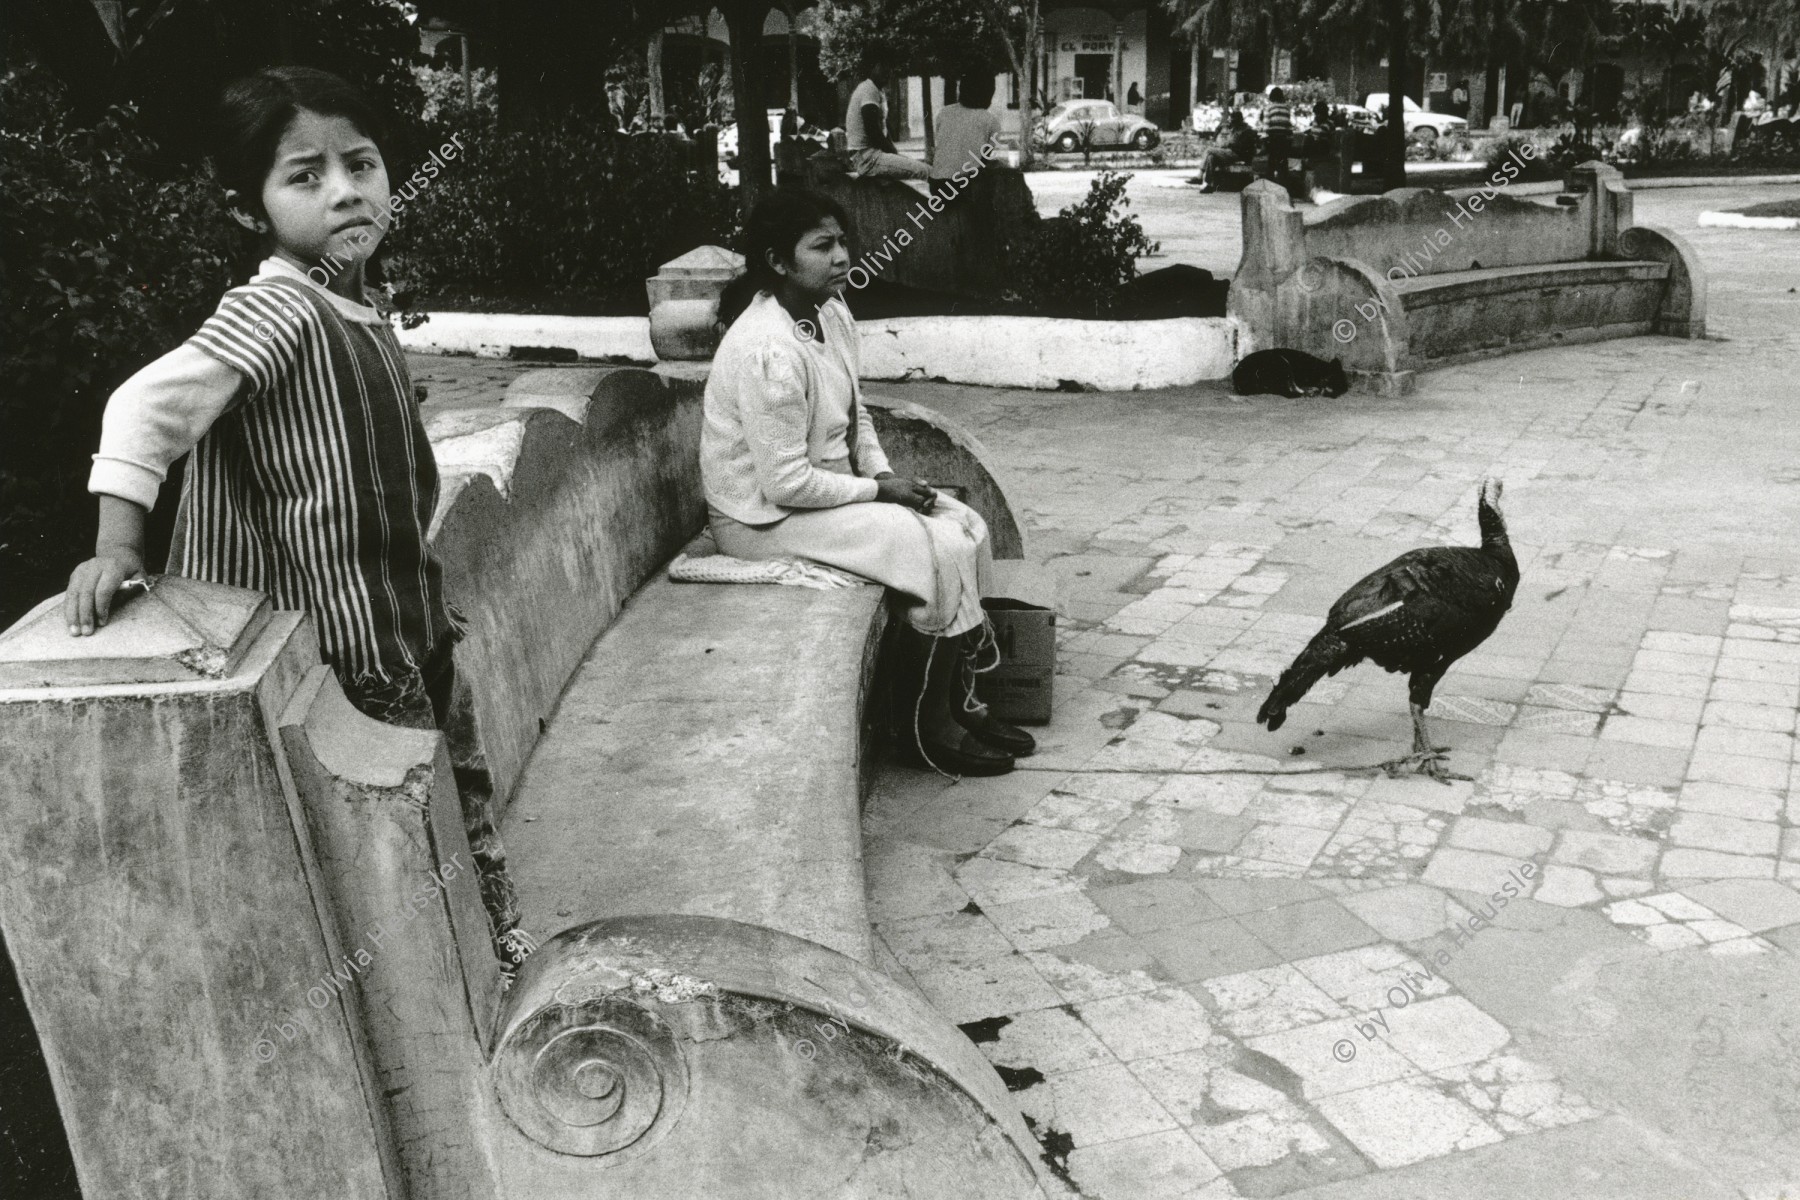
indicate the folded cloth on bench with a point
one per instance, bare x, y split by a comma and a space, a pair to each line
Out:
722, 568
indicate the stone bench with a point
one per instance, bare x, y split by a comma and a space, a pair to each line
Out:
708, 1018
1416, 277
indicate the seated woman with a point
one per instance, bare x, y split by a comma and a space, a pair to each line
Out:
792, 469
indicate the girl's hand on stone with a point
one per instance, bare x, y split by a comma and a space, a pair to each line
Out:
94, 584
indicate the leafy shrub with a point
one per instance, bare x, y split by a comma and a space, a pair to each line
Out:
447, 103
1534, 169
1569, 151
1080, 260
1305, 93
110, 257
566, 209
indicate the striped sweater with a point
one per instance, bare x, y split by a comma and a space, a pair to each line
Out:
311, 478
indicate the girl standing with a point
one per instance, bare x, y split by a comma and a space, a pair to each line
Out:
792, 469
311, 478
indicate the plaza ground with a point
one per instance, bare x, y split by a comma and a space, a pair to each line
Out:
1199, 950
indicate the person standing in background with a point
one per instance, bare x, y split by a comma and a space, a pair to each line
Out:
1278, 130
1134, 99
872, 153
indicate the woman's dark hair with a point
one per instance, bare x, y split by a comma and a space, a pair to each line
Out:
1277, 96
777, 223
975, 90
256, 110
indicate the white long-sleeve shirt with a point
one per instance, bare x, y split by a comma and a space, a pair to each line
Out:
777, 407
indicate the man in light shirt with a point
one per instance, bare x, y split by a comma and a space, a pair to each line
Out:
964, 128
872, 154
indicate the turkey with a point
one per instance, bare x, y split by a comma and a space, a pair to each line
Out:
1418, 614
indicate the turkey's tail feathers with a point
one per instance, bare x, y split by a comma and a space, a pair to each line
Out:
1325, 655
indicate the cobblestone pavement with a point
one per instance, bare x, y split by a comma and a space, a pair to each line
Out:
1216, 961
1213, 961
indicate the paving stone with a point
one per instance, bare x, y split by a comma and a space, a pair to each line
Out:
1644, 731
1409, 912
1470, 870
1650, 706
1096, 967
1164, 1020
1757, 905
1567, 887
1158, 1166
1708, 831
1406, 1121
1049, 1039
1569, 696
1252, 1003
1766, 774
1500, 837
1042, 846
1728, 801
1315, 1053
1445, 1031
1417, 791
1207, 949
1308, 928
1766, 717
1610, 854
1043, 922
1254, 895
1711, 864
1095, 1106
1297, 845
1154, 904
1516, 1096
1364, 978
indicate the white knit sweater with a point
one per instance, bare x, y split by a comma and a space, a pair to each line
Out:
777, 408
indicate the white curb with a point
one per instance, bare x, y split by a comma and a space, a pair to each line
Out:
1047, 353
1737, 220
1043, 353
495, 335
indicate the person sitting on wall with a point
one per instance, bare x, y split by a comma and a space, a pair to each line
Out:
1235, 144
792, 469
963, 129
872, 153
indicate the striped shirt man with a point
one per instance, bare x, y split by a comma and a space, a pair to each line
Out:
311, 477
1278, 116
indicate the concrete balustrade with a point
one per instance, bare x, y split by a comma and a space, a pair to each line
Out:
248, 926
1392, 283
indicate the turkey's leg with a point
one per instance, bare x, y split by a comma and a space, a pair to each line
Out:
1425, 759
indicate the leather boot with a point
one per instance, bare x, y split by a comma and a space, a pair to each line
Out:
935, 733
970, 712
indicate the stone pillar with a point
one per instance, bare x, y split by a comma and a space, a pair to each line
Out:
1609, 205
170, 925
684, 302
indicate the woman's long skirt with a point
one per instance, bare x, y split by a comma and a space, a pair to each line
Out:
942, 560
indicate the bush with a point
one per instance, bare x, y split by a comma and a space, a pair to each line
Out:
1534, 169
566, 210
110, 256
1079, 261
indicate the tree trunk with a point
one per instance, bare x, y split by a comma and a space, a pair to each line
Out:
1027, 152
744, 21
1396, 133
1193, 71
653, 62
925, 113
793, 40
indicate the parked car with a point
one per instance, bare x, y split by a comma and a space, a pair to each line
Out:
1425, 126
1065, 126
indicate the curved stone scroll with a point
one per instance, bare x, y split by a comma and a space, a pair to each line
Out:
1683, 309
661, 1056
924, 444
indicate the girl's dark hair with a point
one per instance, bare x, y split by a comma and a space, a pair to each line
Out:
777, 223
256, 110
